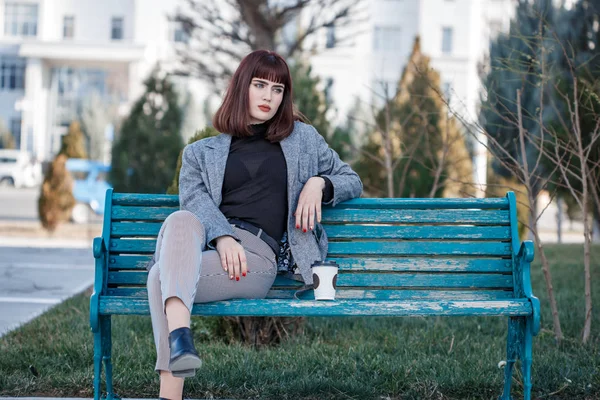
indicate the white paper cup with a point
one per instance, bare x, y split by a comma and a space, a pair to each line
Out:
325, 280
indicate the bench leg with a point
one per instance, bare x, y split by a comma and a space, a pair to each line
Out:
97, 364
105, 327
526, 359
512, 353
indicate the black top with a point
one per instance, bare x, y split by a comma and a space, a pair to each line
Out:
255, 183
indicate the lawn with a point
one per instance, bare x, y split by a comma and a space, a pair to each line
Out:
336, 358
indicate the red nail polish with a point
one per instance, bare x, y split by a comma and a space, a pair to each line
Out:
244, 274
297, 226
304, 229
237, 278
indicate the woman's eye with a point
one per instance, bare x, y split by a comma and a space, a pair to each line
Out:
259, 85
278, 90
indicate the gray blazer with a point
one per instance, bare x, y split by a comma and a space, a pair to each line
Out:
306, 154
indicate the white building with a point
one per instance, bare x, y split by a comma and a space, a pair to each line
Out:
53, 53
455, 34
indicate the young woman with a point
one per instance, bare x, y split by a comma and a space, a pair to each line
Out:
250, 209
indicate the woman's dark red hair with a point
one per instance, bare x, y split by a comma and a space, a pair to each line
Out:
233, 115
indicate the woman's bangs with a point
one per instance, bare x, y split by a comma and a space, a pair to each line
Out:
273, 70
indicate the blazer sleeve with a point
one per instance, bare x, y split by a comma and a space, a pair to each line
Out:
346, 183
194, 197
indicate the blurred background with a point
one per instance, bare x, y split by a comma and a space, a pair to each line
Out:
424, 98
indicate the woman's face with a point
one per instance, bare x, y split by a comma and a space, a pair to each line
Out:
265, 98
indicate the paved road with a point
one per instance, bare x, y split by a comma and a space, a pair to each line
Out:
34, 279
18, 204
21, 204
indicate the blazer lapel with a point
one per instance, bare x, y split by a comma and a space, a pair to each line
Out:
216, 160
291, 149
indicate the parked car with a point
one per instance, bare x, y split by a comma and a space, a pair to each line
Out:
89, 188
19, 169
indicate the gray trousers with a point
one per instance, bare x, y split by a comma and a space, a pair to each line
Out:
184, 271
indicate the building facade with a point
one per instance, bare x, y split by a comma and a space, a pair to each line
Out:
56, 53
455, 34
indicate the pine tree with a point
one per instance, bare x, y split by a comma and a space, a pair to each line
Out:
73, 143
515, 65
56, 198
427, 155
144, 156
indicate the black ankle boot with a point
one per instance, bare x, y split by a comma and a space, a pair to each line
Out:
184, 357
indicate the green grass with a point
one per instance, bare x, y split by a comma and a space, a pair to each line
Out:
336, 358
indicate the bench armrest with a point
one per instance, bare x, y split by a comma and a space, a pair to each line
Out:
100, 276
523, 261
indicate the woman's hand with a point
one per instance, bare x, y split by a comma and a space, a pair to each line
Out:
233, 257
309, 204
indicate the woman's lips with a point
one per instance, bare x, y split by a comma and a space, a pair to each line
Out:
264, 108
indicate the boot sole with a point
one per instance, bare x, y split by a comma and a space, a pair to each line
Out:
185, 365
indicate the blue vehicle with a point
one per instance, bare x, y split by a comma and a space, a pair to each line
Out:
89, 188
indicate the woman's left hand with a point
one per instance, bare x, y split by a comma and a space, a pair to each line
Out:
309, 204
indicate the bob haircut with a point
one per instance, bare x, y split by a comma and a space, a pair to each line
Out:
233, 115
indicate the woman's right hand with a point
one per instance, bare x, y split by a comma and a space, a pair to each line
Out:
233, 257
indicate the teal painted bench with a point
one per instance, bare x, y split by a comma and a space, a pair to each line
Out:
397, 257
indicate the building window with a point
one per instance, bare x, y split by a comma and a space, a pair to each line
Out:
68, 27
15, 129
20, 19
447, 33
178, 32
12, 73
330, 38
387, 38
116, 32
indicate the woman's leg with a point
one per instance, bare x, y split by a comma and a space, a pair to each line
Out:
214, 284
172, 287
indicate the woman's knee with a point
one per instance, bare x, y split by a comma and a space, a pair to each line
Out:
184, 219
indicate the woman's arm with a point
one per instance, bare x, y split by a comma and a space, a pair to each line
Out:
194, 197
346, 183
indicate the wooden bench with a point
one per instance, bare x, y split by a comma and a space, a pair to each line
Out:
397, 257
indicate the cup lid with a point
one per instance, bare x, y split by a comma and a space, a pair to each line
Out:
329, 263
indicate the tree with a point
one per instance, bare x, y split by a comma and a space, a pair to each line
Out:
56, 198
73, 143
222, 32
7, 141
144, 156
416, 148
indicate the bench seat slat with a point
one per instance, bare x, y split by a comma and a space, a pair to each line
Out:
344, 293
439, 280
392, 248
446, 217
346, 307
